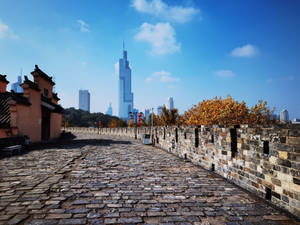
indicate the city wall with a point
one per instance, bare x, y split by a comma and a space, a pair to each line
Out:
265, 161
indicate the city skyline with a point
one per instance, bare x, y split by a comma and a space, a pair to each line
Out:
84, 100
212, 49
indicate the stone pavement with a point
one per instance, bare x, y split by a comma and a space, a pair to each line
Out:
113, 181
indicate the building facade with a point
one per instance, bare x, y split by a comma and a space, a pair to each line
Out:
16, 87
109, 110
84, 100
146, 115
284, 116
125, 94
170, 103
34, 113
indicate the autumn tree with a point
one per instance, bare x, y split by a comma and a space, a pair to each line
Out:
227, 112
169, 117
131, 123
116, 123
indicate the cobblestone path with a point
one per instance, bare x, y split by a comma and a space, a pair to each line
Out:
113, 181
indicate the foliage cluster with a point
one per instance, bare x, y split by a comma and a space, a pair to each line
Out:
168, 117
79, 118
227, 112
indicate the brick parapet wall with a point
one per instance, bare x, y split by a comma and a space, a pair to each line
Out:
265, 161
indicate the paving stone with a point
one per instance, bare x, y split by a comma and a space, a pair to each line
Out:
59, 216
17, 219
41, 222
77, 210
110, 180
131, 220
72, 221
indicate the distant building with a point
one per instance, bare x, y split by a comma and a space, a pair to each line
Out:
159, 110
125, 94
109, 110
284, 116
296, 121
135, 114
170, 103
34, 113
275, 116
16, 86
84, 100
146, 114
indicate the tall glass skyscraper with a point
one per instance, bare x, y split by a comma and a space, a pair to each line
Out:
109, 110
125, 94
16, 86
84, 100
170, 103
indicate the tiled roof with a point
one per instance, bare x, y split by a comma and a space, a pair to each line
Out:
31, 84
42, 74
3, 78
19, 98
4, 110
55, 96
57, 108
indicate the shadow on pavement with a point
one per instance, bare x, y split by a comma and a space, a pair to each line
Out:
66, 141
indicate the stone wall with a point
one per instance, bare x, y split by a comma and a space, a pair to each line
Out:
265, 161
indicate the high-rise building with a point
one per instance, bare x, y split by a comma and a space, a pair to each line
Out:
284, 116
159, 110
135, 115
146, 114
125, 94
16, 86
84, 100
109, 110
170, 103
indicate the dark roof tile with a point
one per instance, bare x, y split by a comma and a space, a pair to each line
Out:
42, 74
3, 78
31, 84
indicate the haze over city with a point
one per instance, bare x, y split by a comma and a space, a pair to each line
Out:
190, 50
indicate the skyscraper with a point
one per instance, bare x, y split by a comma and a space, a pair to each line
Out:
109, 110
125, 94
84, 100
170, 103
284, 116
146, 114
16, 86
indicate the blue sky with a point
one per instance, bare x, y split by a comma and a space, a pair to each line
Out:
190, 50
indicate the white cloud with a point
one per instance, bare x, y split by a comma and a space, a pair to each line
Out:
245, 51
6, 32
84, 27
281, 79
162, 10
161, 37
162, 76
3, 29
148, 79
224, 73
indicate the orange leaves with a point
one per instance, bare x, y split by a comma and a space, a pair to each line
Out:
226, 112
116, 123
